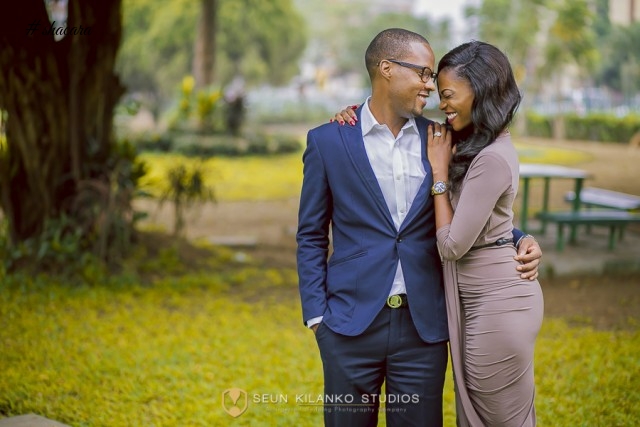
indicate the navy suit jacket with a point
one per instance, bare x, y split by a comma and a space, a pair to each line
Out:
341, 194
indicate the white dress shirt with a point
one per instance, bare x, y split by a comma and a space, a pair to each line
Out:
397, 164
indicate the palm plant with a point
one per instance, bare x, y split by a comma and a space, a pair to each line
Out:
186, 186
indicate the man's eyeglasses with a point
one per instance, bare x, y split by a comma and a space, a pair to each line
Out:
425, 73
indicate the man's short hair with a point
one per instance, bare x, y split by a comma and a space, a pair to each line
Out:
392, 43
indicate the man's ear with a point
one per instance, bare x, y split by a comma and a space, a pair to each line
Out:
384, 67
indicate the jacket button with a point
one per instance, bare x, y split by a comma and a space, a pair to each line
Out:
399, 239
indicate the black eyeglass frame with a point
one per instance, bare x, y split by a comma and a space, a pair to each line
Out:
422, 71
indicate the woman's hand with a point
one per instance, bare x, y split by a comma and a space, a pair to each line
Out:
439, 150
348, 115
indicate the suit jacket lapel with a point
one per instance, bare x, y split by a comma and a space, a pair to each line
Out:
354, 145
425, 189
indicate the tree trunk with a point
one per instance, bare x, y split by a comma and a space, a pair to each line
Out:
205, 44
59, 97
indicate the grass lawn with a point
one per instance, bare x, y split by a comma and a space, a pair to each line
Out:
159, 342
233, 178
158, 346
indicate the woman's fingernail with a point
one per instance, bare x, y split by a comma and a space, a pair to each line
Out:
352, 123
331, 121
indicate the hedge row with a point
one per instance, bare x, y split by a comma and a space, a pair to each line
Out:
593, 127
217, 145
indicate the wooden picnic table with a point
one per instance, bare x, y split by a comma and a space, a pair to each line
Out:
546, 172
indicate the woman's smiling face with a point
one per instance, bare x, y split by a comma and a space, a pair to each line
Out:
456, 98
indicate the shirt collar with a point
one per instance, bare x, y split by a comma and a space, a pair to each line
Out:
369, 122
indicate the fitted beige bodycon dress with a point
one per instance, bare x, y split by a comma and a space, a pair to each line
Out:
494, 315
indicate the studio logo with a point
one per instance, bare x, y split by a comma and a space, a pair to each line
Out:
235, 401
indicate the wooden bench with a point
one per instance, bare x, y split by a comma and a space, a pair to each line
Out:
615, 220
602, 198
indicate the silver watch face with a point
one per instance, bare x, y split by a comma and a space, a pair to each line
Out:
439, 187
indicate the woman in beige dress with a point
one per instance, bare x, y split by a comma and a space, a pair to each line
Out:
494, 315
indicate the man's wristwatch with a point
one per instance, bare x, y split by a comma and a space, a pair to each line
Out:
439, 187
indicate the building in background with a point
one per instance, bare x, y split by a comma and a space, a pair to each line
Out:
624, 12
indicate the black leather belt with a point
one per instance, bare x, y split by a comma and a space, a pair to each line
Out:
397, 301
499, 242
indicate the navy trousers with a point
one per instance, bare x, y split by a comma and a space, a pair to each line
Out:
390, 351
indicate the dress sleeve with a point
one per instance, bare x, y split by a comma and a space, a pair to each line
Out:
488, 177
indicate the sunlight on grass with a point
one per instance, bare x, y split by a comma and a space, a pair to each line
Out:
531, 153
159, 356
162, 354
280, 176
234, 178
587, 377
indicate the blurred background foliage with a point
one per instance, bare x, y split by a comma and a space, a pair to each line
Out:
215, 78
213, 97
261, 41
541, 37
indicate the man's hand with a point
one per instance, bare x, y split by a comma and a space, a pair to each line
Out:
529, 254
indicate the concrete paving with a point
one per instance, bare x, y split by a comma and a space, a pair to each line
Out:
30, 420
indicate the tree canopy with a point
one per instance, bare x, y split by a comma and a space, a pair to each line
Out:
260, 40
621, 69
341, 31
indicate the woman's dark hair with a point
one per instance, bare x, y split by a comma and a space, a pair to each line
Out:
496, 98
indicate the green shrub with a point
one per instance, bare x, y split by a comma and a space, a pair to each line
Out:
186, 186
96, 225
593, 127
263, 143
538, 125
57, 246
293, 112
194, 145
150, 141
197, 109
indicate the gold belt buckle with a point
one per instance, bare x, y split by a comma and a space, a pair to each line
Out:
394, 301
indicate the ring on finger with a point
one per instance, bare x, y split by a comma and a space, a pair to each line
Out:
437, 133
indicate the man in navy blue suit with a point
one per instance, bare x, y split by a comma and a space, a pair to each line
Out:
377, 304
